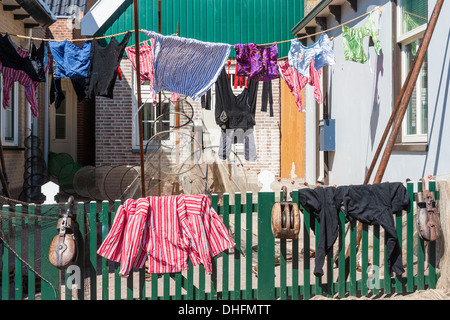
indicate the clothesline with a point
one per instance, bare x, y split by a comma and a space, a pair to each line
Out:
122, 33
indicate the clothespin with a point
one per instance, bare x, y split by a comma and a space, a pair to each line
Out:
229, 65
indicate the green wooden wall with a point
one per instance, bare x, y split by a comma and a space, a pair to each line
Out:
226, 21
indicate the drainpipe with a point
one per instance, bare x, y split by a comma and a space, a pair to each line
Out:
46, 125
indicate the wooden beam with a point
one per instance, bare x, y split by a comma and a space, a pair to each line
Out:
8, 7
31, 25
303, 40
311, 30
336, 12
322, 22
21, 16
353, 4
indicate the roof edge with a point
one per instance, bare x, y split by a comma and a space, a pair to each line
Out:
97, 16
310, 16
39, 11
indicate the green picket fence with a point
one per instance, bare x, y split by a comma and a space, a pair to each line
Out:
258, 267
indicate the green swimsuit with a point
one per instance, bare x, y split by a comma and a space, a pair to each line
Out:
353, 40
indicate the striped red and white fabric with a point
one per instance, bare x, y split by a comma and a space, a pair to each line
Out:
146, 66
11, 75
296, 82
165, 231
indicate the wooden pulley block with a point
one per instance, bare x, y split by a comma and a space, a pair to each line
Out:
63, 250
285, 219
428, 219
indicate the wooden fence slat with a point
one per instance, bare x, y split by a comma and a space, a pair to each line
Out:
117, 278
376, 260
18, 292
225, 254
353, 258
341, 260
104, 217
237, 251
410, 240
248, 245
31, 254
295, 254
266, 247
5, 258
50, 275
306, 254
93, 249
213, 294
420, 255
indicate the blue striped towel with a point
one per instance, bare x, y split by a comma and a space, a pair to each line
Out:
186, 66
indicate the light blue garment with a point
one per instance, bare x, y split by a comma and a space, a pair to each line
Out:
71, 61
186, 66
300, 57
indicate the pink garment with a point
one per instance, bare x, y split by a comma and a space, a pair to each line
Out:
146, 66
11, 75
296, 82
165, 231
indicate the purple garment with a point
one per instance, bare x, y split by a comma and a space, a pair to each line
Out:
259, 63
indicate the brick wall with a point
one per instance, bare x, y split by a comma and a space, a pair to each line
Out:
14, 156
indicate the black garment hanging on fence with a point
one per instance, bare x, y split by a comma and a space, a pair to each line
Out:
103, 69
371, 204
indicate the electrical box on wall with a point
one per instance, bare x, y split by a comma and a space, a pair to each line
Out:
327, 135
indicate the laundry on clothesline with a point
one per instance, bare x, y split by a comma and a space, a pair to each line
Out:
146, 66
296, 82
24, 66
352, 39
103, 69
165, 231
186, 66
259, 63
300, 57
235, 111
371, 204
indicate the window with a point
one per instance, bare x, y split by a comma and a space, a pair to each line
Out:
413, 18
152, 121
60, 120
9, 117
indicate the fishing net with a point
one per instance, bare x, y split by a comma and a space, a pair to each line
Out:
25, 231
35, 171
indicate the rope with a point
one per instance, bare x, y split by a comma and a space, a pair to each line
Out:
265, 44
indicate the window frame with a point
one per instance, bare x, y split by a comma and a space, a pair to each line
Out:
15, 120
403, 39
146, 98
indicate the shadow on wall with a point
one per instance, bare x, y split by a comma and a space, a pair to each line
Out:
444, 84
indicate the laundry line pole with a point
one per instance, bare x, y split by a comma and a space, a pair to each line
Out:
139, 97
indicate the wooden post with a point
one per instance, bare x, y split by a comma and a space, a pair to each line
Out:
139, 98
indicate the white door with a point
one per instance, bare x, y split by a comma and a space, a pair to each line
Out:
63, 138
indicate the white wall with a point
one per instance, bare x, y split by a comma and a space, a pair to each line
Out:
361, 100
